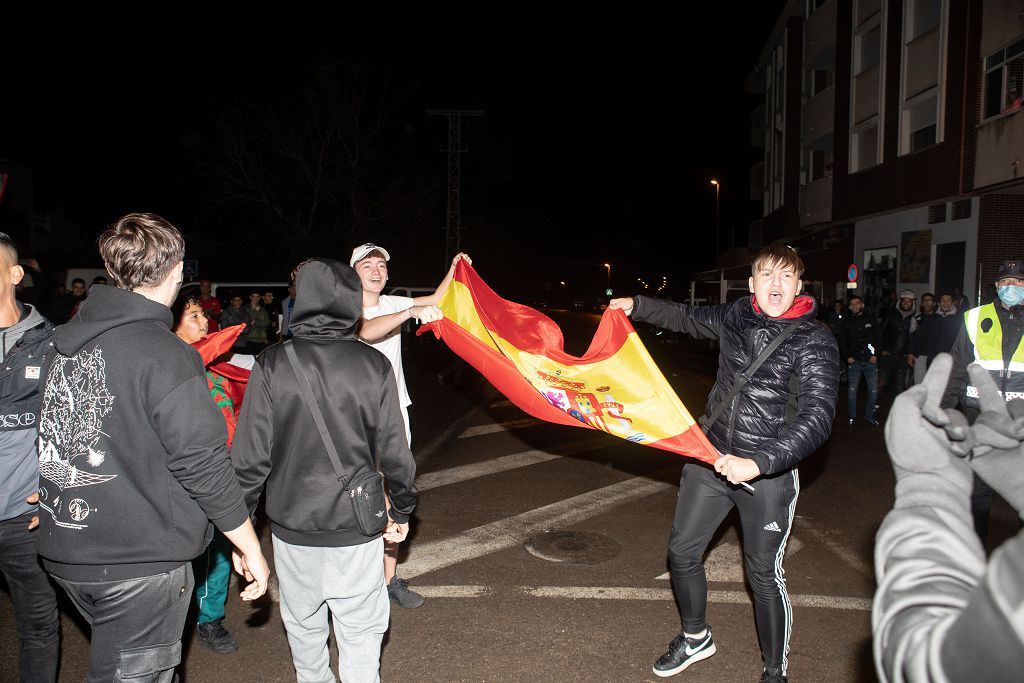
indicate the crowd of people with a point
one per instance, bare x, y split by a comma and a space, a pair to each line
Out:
140, 437
892, 350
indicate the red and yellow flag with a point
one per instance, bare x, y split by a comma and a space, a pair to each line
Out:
615, 387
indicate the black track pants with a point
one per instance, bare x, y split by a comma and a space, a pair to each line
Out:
765, 516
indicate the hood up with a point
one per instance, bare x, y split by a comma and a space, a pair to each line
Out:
328, 301
106, 308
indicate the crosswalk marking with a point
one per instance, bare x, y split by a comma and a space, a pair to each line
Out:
506, 533
453, 591
508, 425
504, 463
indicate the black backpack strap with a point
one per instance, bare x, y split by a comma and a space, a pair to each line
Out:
745, 376
318, 417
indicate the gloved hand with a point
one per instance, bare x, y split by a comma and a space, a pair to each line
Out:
917, 434
997, 455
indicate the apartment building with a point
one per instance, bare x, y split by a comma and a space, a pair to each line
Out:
893, 135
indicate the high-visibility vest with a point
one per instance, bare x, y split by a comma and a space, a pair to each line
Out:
1008, 374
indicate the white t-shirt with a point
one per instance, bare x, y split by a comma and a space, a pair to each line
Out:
391, 344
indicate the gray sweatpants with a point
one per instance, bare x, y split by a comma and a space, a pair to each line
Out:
346, 584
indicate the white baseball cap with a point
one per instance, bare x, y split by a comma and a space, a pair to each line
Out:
360, 252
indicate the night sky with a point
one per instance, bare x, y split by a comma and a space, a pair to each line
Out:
596, 146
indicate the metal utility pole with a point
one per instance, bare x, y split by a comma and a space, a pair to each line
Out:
453, 224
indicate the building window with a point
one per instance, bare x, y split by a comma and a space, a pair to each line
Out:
919, 123
818, 80
864, 147
867, 47
1004, 80
818, 163
937, 213
814, 5
922, 17
923, 75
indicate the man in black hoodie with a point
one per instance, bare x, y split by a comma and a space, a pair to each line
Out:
321, 557
860, 340
133, 463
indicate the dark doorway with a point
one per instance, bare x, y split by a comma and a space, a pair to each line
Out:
950, 260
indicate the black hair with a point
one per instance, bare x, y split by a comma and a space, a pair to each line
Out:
188, 295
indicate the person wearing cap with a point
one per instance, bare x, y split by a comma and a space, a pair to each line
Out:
898, 324
992, 336
381, 328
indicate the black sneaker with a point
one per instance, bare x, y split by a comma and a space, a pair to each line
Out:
852, 421
214, 636
773, 676
871, 421
682, 652
398, 591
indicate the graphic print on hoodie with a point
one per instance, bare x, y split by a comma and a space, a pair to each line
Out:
76, 400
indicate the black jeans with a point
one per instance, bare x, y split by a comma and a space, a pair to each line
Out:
136, 624
765, 516
35, 603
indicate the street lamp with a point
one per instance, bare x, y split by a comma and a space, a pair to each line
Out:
718, 237
609, 267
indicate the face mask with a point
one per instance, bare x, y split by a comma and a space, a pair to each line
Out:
1011, 295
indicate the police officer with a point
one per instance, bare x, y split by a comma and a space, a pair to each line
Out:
992, 337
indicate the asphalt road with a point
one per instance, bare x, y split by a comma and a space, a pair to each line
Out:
541, 550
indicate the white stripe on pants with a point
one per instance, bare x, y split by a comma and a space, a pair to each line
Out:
347, 583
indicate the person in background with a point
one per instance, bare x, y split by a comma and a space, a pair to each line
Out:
259, 324
211, 305
237, 314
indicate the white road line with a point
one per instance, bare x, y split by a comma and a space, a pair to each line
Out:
462, 473
493, 427
843, 553
506, 533
453, 591
732, 597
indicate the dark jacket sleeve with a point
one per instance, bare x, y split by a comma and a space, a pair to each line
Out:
963, 355
396, 461
817, 373
700, 322
193, 433
254, 437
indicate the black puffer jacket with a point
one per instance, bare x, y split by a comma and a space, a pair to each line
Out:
785, 411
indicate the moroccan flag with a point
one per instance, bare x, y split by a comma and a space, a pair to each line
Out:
227, 382
615, 387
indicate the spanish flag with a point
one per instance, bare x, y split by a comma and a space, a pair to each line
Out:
615, 387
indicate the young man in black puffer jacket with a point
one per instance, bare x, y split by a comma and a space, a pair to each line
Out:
781, 416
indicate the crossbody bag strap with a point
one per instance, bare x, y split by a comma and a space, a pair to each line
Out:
318, 417
745, 376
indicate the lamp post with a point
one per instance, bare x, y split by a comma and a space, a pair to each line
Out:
609, 267
718, 236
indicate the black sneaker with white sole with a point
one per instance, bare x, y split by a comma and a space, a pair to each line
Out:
682, 652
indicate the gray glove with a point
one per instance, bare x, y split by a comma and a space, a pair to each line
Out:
918, 434
997, 455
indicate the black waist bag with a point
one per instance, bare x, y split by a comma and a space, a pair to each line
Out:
365, 490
